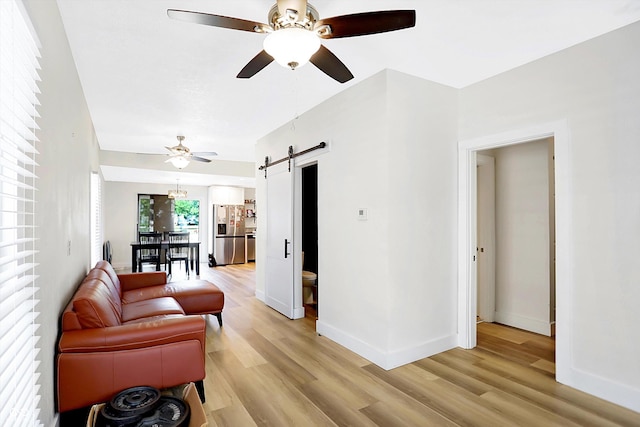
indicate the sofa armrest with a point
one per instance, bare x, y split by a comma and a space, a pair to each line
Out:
135, 335
129, 281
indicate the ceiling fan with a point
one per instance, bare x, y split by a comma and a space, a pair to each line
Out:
180, 155
294, 32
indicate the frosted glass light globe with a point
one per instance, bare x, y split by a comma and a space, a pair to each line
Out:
291, 47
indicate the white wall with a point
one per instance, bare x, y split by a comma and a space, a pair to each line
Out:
68, 154
594, 86
421, 143
121, 216
386, 284
522, 236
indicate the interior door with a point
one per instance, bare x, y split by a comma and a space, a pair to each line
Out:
486, 232
279, 282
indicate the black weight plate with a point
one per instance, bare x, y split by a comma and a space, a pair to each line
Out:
109, 417
170, 412
135, 400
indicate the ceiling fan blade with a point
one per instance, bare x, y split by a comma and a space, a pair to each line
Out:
200, 159
299, 6
326, 61
360, 24
204, 153
258, 62
218, 21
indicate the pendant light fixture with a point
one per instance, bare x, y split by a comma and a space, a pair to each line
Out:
177, 193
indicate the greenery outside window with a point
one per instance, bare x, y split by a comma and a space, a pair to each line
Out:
156, 212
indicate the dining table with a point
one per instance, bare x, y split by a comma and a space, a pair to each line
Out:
194, 253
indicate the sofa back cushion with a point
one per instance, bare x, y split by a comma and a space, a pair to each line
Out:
93, 306
107, 268
115, 293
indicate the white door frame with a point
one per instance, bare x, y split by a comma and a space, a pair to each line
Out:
300, 163
467, 230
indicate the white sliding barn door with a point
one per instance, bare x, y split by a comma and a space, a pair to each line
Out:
279, 269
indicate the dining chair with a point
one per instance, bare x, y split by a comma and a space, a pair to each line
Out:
150, 254
178, 249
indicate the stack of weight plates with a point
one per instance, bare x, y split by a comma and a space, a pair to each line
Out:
143, 407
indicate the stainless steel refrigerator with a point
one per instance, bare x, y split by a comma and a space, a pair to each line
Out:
228, 237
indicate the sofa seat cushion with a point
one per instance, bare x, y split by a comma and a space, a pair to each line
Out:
150, 308
194, 296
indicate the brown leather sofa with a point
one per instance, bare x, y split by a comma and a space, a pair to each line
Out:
127, 330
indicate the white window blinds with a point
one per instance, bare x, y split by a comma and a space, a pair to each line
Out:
19, 390
96, 219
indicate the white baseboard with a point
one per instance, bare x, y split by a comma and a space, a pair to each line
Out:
614, 392
260, 295
298, 312
521, 322
386, 360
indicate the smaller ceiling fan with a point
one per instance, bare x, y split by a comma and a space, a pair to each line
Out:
181, 155
294, 32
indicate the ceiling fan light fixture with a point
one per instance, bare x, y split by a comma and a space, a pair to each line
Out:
179, 162
291, 47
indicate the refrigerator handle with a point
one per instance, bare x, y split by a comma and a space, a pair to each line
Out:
286, 252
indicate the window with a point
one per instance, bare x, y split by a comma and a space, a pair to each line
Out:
19, 390
96, 219
157, 212
187, 217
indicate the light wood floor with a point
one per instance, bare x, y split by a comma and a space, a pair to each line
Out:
266, 370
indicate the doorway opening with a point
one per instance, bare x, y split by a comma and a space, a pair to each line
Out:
309, 241
516, 236
467, 227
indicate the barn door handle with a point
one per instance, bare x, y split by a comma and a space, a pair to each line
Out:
286, 252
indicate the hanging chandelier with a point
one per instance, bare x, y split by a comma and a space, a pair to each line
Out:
177, 193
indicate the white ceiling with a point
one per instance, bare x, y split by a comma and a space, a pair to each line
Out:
148, 78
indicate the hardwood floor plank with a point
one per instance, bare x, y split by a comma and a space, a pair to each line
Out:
219, 393
290, 370
389, 414
529, 393
456, 404
268, 399
546, 366
524, 413
454, 377
243, 350
340, 412
231, 416
498, 331
507, 350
